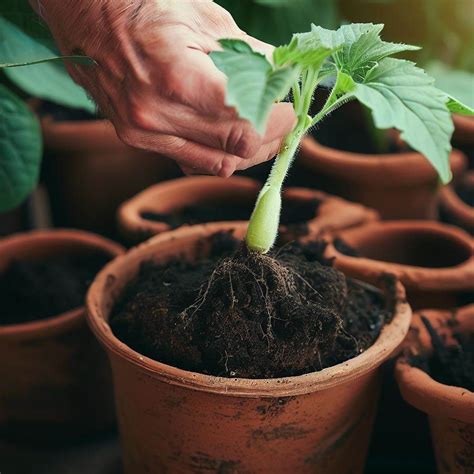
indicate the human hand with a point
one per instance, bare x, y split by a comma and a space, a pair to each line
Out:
155, 81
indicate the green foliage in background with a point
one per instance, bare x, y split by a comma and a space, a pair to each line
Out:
274, 21
38, 71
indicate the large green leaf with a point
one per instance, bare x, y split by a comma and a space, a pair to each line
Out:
359, 47
253, 85
47, 80
402, 96
20, 150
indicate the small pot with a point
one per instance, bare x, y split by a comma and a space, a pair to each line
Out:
173, 420
450, 409
454, 209
90, 172
332, 214
434, 261
398, 186
54, 376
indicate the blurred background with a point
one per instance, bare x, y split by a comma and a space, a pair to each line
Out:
87, 173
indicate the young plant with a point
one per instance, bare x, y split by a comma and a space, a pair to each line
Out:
357, 64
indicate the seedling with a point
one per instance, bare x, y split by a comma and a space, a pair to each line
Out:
355, 63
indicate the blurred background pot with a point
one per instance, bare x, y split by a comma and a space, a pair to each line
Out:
55, 378
179, 421
398, 185
321, 212
90, 172
434, 261
456, 202
450, 409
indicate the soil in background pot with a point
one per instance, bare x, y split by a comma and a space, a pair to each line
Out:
60, 113
294, 212
33, 290
465, 190
236, 313
451, 363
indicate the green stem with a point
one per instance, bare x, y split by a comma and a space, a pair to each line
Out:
264, 222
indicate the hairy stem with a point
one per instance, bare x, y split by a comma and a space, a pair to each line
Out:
264, 222
263, 226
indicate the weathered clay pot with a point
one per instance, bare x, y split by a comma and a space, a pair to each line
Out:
172, 420
54, 376
398, 186
450, 409
454, 209
434, 261
90, 172
333, 213
464, 128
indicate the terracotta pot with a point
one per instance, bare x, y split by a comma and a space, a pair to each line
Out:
434, 261
90, 172
54, 376
454, 209
173, 420
398, 186
333, 213
450, 409
464, 129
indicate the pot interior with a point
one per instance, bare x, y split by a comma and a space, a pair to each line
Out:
415, 247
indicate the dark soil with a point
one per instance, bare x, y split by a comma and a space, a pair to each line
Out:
450, 363
61, 113
37, 290
343, 247
465, 190
236, 313
294, 212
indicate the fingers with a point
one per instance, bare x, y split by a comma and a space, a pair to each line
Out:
281, 122
266, 152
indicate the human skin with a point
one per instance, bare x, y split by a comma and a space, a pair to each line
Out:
155, 81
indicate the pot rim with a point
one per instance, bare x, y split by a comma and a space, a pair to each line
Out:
37, 239
456, 277
418, 387
80, 135
388, 341
129, 213
464, 128
454, 205
409, 167
131, 222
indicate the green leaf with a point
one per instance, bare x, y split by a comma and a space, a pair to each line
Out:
361, 47
304, 49
18, 49
402, 96
20, 150
458, 107
46, 80
253, 84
